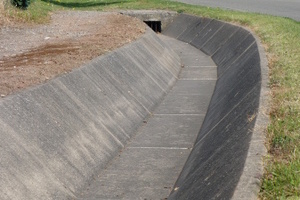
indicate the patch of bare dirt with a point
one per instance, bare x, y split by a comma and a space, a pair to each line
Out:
32, 55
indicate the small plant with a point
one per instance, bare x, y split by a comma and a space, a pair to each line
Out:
180, 11
21, 3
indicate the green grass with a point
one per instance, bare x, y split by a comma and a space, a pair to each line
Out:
38, 12
281, 37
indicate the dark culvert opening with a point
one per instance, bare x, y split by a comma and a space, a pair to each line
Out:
154, 25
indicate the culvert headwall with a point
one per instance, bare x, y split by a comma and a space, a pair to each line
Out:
232, 132
156, 19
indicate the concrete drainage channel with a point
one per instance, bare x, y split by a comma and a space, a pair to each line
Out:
226, 161
62, 139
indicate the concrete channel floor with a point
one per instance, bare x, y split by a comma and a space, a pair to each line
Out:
150, 164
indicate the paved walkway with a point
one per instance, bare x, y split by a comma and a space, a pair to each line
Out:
152, 161
283, 8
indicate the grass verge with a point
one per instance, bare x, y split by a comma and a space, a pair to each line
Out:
281, 37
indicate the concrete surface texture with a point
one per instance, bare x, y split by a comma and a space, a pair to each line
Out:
148, 167
283, 8
56, 136
186, 122
216, 163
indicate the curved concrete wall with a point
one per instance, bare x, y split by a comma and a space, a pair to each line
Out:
216, 163
55, 136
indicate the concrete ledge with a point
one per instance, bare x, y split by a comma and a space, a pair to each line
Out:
226, 161
55, 136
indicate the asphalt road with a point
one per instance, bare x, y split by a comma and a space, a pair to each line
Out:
284, 8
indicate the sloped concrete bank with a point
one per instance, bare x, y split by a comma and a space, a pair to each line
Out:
232, 132
55, 136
